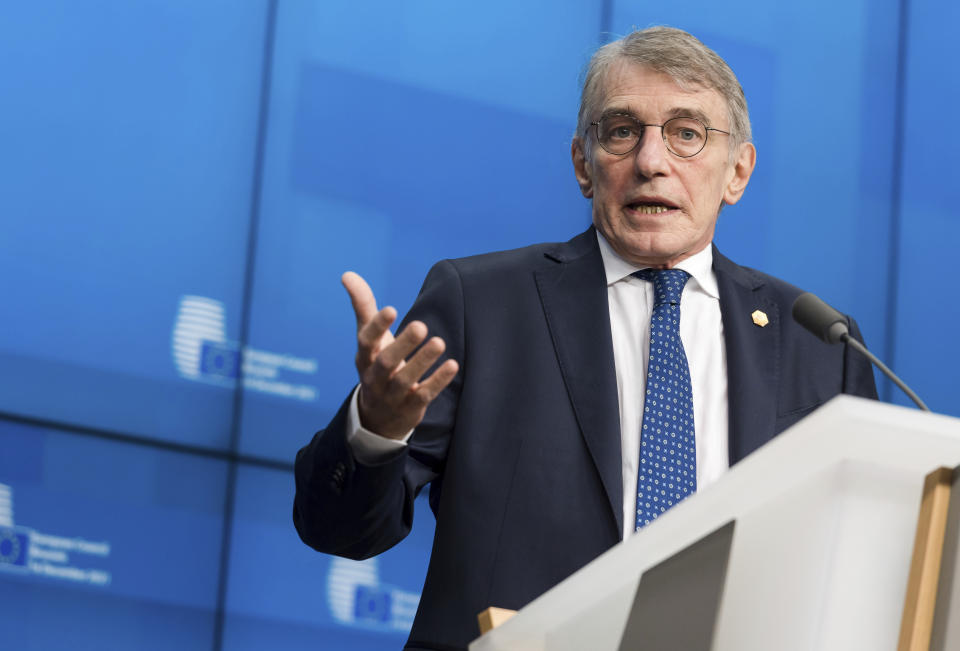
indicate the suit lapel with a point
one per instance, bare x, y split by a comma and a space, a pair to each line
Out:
574, 297
753, 356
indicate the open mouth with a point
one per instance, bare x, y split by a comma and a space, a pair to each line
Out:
648, 208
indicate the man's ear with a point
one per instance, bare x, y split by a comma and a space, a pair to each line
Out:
742, 169
581, 167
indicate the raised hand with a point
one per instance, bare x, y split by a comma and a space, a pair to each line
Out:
393, 392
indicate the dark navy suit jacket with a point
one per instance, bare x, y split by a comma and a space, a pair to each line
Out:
522, 450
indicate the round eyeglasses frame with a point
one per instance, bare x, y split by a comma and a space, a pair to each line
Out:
663, 133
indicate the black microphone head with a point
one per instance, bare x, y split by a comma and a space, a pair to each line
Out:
819, 318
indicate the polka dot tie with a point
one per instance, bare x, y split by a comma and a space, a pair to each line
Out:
668, 453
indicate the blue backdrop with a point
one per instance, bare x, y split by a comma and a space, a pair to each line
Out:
182, 184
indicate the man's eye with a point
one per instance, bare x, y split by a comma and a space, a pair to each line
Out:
620, 129
684, 131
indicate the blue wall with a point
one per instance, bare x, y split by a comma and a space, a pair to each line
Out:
182, 184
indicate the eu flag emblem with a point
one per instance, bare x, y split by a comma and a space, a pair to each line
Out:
371, 604
13, 548
219, 360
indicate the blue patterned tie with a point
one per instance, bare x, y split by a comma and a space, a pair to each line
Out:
668, 452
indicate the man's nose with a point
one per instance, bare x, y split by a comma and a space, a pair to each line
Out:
651, 157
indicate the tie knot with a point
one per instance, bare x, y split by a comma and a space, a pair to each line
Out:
667, 284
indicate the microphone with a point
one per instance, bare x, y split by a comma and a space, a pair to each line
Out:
819, 318
829, 325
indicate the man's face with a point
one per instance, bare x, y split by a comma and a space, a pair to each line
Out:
653, 207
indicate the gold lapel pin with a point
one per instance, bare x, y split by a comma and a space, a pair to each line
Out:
760, 318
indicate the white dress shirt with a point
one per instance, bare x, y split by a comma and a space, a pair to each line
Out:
631, 306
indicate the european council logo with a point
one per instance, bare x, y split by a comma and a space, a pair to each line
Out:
202, 353
27, 550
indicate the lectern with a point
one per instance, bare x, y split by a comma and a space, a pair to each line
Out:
819, 527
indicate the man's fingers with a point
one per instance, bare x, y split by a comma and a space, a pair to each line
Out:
391, 357
414, 368
430, 388
361, 296
370, 336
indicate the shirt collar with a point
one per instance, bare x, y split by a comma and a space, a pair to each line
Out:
699, 266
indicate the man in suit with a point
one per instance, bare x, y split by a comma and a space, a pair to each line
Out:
524, 409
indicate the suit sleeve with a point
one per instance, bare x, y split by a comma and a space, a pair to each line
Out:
356, 510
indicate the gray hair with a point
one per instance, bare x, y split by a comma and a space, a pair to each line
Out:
677, 54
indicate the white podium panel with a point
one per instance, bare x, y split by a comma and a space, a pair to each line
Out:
825, 520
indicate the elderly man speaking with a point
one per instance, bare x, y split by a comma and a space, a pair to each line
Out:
558, 398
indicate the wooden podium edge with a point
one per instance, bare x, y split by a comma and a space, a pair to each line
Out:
916, 626
493, 617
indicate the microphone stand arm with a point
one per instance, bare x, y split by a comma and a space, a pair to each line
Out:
850, 341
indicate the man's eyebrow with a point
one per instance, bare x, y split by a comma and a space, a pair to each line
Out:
676, 112
689, 112
617, 110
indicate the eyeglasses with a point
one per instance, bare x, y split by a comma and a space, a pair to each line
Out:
620, 133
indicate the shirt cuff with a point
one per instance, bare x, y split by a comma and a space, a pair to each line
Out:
370, 448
